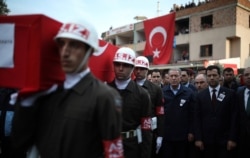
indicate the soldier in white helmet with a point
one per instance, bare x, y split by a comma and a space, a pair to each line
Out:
81, 118
136, 107
157, 100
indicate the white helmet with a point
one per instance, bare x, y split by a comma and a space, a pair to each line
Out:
142, 61
125, 55
83, 32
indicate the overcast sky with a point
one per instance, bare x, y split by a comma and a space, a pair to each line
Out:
101, 13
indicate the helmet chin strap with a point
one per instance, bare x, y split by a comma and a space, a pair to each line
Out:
84, 60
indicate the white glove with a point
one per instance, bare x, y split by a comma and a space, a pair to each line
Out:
158, 144
13, 98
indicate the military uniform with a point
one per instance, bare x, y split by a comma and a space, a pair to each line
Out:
157, 101
136, 111
72, 123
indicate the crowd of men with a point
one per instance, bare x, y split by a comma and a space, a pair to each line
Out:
206, 113
141, 113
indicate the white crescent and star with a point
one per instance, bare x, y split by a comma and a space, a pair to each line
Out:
158, 29
100, 50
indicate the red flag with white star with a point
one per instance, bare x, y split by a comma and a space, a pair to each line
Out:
159, 34
101, 62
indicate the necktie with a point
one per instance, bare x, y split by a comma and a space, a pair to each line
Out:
214, 96
248, 104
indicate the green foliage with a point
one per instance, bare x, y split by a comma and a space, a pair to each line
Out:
3, 8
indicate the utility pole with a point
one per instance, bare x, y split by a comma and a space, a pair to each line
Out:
158, 8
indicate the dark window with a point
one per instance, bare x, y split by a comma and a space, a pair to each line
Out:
182, 26
206, 50
249, 21
207, 22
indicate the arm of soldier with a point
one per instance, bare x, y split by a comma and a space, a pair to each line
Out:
24, 120
110, 123
23, 127
160, 113
160, 119
146, 143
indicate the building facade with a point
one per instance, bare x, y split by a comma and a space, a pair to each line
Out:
212, 30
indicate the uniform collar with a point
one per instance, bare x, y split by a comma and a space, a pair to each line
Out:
122, 84
72, 79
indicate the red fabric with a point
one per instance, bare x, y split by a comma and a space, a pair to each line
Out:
113, 148
146, 123
101, 62
160, 110
159, 34
36, 61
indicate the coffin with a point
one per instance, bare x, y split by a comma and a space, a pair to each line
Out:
35, 63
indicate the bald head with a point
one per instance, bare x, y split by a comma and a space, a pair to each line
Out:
201, 82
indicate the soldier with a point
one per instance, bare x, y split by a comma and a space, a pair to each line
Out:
156, 96
80, 118
136, 107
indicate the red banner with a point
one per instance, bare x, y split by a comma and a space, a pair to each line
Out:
101, 62
159, 34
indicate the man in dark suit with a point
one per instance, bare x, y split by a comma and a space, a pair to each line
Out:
243, 96
185, 80
229, 79
215, 128
178, 110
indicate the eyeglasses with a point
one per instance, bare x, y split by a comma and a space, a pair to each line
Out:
117, 64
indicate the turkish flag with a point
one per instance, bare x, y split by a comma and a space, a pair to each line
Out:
101, 62
159, 34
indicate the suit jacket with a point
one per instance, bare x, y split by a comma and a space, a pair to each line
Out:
69, 123
244, 119
216, 123
178, 113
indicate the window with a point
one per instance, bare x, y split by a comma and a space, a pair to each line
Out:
249, 50
249, 21
182, 26
207, 22
206, 51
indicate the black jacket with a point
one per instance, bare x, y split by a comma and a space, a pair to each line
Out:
157, 100
70, 124
136, 106
179, 112
219, 123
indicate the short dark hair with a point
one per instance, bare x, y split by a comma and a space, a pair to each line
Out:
211, 67
228, 69
156, 70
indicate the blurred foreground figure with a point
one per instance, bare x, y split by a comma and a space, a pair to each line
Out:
78, 119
